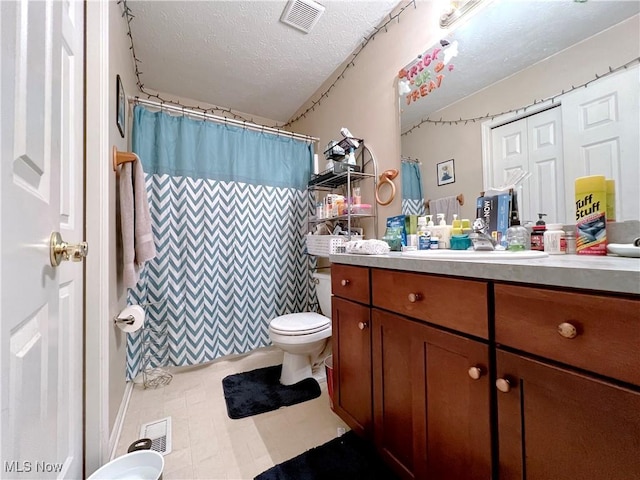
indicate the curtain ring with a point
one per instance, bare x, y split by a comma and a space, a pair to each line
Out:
387, 177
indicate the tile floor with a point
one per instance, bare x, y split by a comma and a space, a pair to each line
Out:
206, 443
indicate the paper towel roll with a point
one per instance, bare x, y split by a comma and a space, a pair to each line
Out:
135, 311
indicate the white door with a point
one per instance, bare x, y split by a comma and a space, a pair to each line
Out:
533, 144
41, 192
509, 152
602, 123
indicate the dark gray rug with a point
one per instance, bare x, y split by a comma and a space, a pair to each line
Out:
260, 391
344, 458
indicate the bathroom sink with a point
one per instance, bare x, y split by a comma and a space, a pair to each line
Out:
474, 254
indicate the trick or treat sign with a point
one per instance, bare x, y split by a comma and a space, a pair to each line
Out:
427, 73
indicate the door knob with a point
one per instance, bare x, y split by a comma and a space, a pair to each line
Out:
362, 325
503, 385
60, 250
344, 282
475, 372
415, 297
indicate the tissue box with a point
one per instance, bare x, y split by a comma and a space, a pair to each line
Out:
495, 211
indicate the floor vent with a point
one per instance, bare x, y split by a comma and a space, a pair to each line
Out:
159, 431
302, 14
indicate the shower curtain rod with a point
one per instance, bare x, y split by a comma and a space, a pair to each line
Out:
216, 118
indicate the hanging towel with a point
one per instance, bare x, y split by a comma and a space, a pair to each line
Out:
446, 205
412, 197
135, 222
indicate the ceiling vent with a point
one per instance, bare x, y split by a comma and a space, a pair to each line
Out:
302, 14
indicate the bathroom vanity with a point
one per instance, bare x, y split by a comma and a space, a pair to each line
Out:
526, 369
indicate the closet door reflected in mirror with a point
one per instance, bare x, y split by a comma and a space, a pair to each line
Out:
533, 144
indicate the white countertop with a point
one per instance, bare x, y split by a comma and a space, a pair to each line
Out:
600, 273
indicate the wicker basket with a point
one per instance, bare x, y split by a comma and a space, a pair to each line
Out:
325, 245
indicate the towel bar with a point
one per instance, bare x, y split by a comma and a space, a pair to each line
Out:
122, 157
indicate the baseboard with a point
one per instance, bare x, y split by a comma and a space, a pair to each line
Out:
114, 438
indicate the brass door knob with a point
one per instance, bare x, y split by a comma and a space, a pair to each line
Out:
414, 297
475, 372
503, 385
345, 282
567, 330
362, 325
60, 250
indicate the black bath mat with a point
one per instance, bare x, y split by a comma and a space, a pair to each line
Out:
259, 391
347, 457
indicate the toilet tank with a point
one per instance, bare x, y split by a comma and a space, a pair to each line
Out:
323, 291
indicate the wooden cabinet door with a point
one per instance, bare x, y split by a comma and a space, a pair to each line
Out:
557, 424
393, 386
351, 337
432, 420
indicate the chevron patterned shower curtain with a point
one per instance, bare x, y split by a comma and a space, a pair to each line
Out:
412, 196
229, 210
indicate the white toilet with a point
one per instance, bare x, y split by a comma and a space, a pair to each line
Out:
304, 337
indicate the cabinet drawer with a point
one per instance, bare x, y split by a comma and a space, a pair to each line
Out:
594, 332
350, 282
452, 303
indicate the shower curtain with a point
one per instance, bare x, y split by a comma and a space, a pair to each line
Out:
412, 197
229, 210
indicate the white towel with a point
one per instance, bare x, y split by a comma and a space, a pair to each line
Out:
135, 222
446, 205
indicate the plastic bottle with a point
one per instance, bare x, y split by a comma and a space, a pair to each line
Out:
537, 236
456, 225
351, 158
424, 237
611, 200
591, 208
517, 237
554, 243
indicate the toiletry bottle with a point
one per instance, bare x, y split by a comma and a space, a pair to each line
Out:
456, 225
611, 200
554, 241
351, 159
424, 237
537, 236
517, 237
443, 232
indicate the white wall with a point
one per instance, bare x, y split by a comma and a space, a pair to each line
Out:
366, 100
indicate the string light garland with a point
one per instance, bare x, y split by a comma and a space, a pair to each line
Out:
227, 111
364, 43
553, 98
126, 12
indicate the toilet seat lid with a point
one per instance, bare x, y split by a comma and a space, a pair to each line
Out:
300, 323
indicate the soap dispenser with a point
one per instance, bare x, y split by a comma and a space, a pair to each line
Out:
443, 232
456, 225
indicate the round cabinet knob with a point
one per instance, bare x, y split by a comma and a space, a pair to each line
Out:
362, 325
567, 330
503, 385
345, 282
414, 297
475, 372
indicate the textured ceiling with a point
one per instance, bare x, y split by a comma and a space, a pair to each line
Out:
505, 37
237, 54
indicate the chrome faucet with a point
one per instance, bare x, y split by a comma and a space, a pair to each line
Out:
479, 237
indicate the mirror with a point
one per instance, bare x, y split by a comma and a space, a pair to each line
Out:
502, 62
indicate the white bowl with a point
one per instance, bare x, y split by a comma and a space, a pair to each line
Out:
140, 465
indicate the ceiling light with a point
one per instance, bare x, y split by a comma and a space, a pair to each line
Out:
302, 14
456, 10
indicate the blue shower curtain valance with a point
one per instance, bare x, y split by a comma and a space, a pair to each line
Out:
229, 211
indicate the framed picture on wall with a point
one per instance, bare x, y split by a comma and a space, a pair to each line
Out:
446, 172
121, 102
